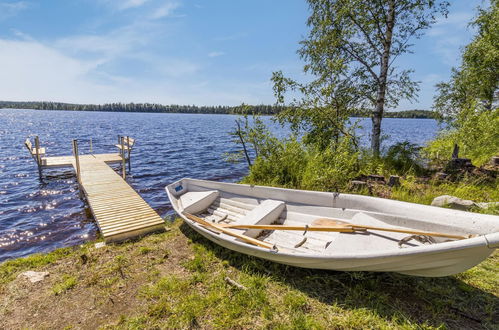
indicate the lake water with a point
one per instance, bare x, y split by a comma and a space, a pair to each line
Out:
39, 217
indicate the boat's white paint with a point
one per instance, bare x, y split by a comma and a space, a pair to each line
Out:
372, 251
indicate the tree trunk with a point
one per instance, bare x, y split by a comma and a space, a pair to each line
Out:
240, 135
377, 115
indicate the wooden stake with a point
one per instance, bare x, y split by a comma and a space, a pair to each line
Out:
245, 238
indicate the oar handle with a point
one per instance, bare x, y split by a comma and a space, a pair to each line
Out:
413, 232
333, 222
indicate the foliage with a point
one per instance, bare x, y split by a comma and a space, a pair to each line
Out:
250, 132
331, 169
476, 134
404, 158
281, 164
477, 79
350, 52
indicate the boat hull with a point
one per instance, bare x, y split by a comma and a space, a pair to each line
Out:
428, 261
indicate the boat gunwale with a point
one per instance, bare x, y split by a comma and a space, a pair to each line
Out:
443, 247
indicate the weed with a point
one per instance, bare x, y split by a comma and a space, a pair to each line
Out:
67, 283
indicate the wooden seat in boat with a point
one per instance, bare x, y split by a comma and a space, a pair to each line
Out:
197, 201
265, 213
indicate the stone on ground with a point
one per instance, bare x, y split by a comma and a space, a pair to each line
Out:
453, 202
34, 277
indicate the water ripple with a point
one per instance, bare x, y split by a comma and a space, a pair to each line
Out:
39, 217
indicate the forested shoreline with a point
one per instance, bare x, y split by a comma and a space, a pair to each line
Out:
174, 108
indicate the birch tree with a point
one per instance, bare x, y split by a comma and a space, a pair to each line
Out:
356, 43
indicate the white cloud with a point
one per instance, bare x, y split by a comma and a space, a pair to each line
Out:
9, 9
449, 35
131, 4
165, 10
34, 71
215, 54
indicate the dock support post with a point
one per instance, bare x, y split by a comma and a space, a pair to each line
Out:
123, 158
129, 154
77, 162
91, 149
38, 158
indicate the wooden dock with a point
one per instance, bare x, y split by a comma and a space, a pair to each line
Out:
117, 208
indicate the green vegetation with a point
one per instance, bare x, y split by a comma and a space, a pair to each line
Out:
181, 282
350, 52
467, 100
67, 283
475, 131
323, 152
139, 107
159, 108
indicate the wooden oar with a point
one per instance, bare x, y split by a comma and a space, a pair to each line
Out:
228, 232
336, 228
331, 222
331, 225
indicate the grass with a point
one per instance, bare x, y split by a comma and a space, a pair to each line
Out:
67, 283
177, 280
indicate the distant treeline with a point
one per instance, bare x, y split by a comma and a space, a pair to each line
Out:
410, 114
175, 108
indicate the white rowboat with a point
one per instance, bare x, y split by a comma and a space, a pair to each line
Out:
335, 231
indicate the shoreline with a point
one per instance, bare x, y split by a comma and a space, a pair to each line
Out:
205, 113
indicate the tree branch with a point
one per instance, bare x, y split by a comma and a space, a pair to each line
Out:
360, 60
368, 38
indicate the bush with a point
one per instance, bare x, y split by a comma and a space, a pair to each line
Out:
475, 133
281, 164
293, 164
332, 168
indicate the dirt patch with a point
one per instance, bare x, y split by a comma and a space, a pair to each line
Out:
108, 283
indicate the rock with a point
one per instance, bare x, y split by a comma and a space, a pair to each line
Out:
453, 202
358, 185
377, 178
459, 164
495, 161
100, 245
34, 277
487, 205
441, 175
394, 181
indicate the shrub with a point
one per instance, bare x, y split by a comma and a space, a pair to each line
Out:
280, 164
475, 133
332, 168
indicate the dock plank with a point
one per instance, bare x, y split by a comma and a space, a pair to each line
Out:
117, 208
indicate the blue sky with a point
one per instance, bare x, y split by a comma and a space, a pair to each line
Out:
180, 52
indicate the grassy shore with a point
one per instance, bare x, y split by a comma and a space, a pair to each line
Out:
178, 279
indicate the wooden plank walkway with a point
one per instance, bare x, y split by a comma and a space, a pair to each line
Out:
119, 210
64, 161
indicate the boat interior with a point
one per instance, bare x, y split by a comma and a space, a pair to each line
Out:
221, 207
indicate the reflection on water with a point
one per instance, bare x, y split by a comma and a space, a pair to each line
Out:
39, 217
